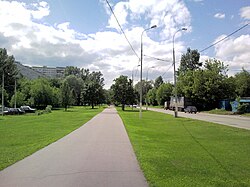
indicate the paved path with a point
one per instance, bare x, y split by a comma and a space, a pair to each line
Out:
97, 154
234, 121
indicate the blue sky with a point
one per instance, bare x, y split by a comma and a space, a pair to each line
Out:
85, 33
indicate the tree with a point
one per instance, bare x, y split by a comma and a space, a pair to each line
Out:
66, 95
189, 61
123, 91
9, 69
93, 89
71, 70
146, 86
76, 86
41, 92
158, 82
20, 99
205, 87
164, 93
242, 82
152, 96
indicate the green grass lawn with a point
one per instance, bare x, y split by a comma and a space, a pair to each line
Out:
220, 112
186, 152
246, 115
23, 135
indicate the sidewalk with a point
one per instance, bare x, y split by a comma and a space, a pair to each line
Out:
97, 154
233, 121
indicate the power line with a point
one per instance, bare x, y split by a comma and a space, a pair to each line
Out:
160, 59
167, 70
121, 29
224, 38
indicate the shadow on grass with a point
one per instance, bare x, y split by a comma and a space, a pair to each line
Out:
210, 154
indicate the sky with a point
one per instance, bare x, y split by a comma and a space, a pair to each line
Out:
85, 34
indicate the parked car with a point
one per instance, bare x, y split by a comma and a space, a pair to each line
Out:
28, 109
14, 111
190, 109
5, 110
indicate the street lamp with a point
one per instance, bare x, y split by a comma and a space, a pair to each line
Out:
175, 89
133, 72
154, 26
147, 88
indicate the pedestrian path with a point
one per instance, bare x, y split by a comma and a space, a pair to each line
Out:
97, 154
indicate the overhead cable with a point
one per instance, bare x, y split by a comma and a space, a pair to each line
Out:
224, 38
160, 59
122, 29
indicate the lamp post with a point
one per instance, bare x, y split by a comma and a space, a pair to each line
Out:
133, 73
154, 26
176, 107
147, 88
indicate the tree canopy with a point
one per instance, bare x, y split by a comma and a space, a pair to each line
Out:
123, 92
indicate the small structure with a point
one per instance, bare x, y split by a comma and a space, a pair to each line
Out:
225, 104
243, 100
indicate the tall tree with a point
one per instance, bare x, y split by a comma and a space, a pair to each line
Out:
189, 61
123, 91
66, 95
76, 86
152, 96
158, 82
242, 81
146, 86
9, 70
93, 91
71, 70
164, 93
205, 87
41, 92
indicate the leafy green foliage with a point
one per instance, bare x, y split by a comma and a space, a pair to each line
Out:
146, 86
66, 95
9, 70
164, 93
94, 92
123, 92
158, 82
190, 61
242, 82
152, 96
205, 87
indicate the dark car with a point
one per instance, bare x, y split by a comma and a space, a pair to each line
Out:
28, 109
14, 111
190, 109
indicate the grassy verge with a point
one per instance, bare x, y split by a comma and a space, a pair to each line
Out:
246, 115
220, 112
23, 135
185, 152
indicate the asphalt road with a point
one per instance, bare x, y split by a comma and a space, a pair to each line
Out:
234, 121
97, 154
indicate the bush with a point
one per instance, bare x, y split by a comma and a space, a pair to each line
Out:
242, 108
48, 109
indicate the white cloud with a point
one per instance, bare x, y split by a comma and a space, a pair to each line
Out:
32, 41
121, 12
235, 52
220, 15
245, 12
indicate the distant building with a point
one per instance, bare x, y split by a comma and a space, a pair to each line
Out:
42, 71
52, 72
28, 72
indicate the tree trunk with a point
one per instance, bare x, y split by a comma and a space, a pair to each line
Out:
123, 106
